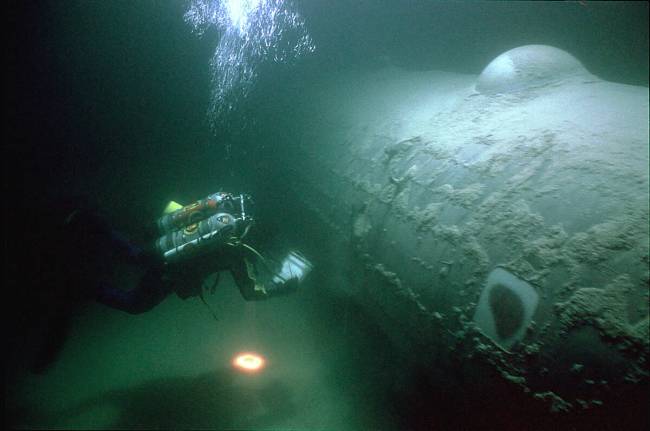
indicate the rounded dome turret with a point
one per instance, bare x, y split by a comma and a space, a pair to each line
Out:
527, 67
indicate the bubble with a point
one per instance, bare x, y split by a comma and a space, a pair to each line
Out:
252, 32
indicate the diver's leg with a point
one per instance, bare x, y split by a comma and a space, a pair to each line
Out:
132, 253
152, 289
90, 227
124, 248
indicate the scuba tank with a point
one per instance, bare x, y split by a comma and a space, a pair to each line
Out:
203, 226
197, 238
192, 213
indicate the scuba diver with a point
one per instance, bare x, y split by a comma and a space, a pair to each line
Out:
198, 240
74, 252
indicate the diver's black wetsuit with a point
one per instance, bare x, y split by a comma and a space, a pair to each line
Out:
72, 254
66, 254
185, 279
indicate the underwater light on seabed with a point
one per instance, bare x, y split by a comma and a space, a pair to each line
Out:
248, 362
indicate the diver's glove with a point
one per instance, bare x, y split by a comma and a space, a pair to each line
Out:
295, 267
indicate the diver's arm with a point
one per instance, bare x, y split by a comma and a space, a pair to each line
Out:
250, 289
245, 275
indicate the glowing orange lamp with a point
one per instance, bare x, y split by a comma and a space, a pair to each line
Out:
249, 362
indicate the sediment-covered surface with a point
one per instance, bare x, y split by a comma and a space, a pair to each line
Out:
427, 185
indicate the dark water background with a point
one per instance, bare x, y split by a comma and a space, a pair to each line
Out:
108, 99
94, 85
